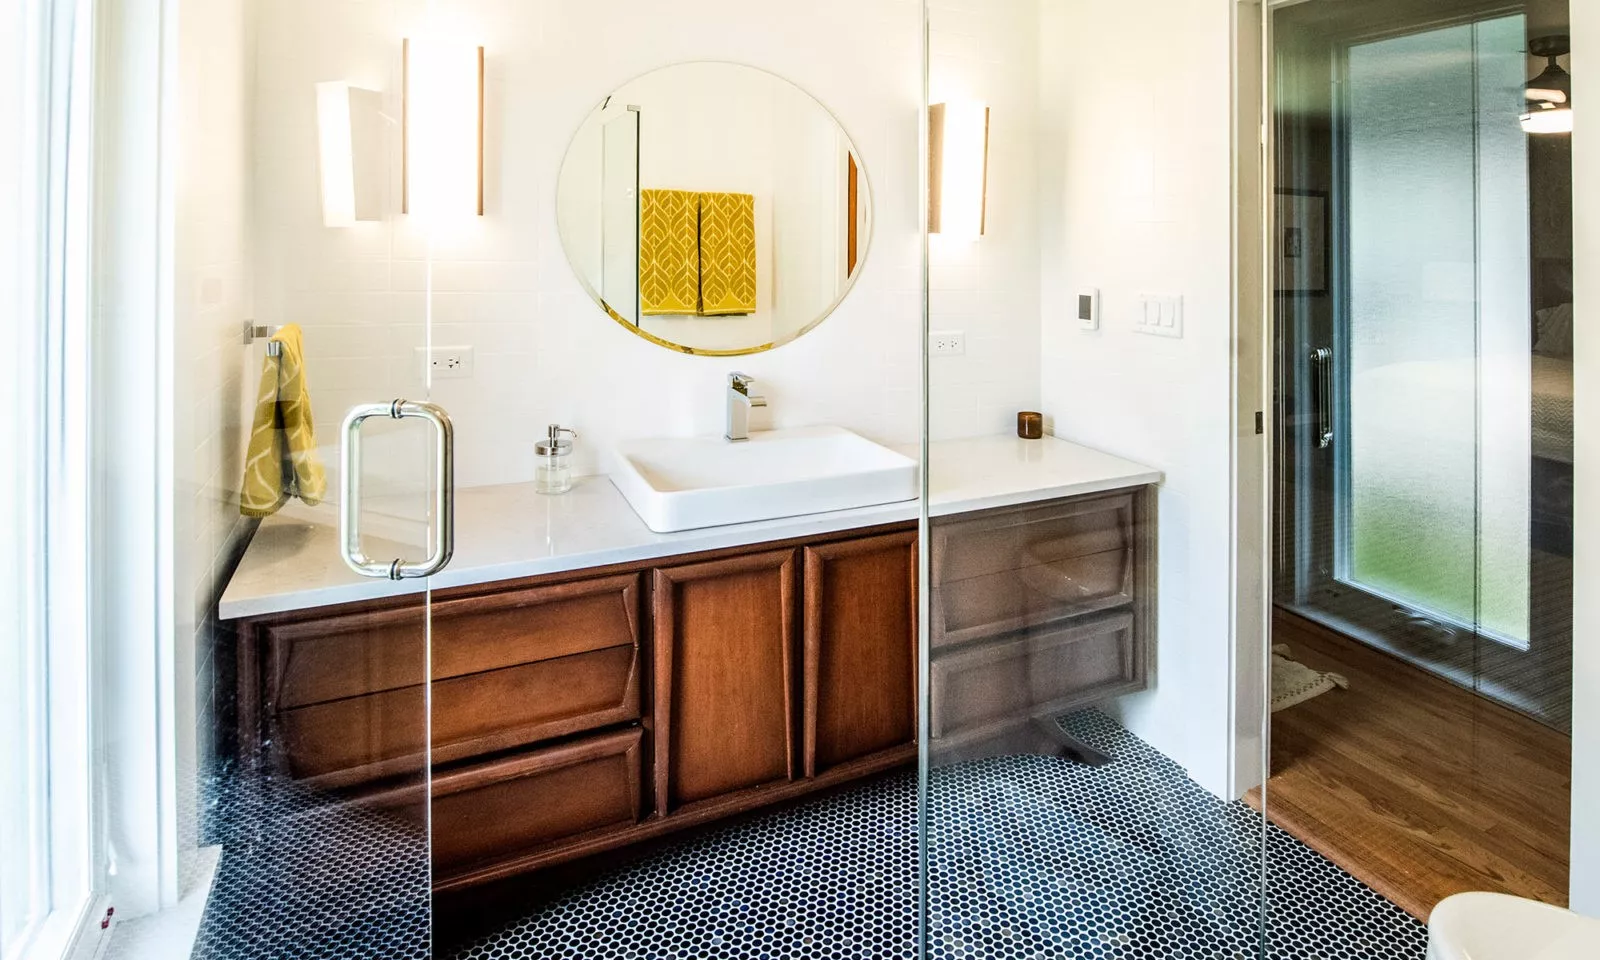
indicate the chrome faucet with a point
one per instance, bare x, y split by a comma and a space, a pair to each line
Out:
740, 400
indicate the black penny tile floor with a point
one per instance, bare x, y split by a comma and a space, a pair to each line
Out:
304, 876
1029, 858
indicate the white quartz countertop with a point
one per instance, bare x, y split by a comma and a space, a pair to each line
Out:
508, 532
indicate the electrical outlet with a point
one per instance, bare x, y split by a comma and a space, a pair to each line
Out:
947, 343
447, 363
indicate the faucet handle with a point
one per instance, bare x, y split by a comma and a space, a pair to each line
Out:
741, 382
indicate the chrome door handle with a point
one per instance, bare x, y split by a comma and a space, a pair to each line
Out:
444, 480
1322, 389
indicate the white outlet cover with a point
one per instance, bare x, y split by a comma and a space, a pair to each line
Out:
947, 343
446, 363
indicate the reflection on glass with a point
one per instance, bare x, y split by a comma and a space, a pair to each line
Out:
619, 214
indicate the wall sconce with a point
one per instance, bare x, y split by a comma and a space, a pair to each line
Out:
958, 168
350, 143
1549, 95
442, 162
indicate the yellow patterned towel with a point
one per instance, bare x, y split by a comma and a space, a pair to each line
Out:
669, 253
282, 459
727, 254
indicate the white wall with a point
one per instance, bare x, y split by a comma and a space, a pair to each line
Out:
214, 373
1136, 198
1586, 480
988, 50
502, 284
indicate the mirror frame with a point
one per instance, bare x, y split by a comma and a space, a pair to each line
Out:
865, 248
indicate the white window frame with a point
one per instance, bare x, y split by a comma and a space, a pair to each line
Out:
48, 875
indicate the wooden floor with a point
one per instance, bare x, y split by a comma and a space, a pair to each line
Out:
1417, 786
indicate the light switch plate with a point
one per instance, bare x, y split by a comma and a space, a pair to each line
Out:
1159, 315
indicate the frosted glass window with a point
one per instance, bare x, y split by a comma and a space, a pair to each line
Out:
1435, 488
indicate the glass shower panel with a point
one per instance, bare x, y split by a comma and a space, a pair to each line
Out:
1432, 518
1422, 491
311, 731
1063, 814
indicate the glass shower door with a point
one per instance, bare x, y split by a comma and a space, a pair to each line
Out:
1409, 295
326, 510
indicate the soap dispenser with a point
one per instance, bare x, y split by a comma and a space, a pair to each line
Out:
552, 470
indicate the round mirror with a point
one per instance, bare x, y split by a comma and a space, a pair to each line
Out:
714, 208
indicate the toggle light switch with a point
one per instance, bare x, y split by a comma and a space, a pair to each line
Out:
1159, 315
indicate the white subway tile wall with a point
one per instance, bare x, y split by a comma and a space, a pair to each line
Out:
988, 50
501, 283
1138, 200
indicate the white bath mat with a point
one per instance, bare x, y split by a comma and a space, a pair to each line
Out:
1293, 682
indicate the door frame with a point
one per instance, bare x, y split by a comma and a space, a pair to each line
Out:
1250, 560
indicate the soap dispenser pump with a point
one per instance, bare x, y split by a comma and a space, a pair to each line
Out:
552, 471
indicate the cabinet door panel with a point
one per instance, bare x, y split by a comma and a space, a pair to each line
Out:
725, 675
860, 648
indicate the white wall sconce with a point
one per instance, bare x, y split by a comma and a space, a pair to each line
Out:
1549, 95
350, 133
958, 169
442, 163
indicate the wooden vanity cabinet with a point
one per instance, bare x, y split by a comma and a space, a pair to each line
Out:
582, 712
577, 713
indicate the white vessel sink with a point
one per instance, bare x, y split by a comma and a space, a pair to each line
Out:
684, 484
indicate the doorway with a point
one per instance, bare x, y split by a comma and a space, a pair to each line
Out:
1422, 458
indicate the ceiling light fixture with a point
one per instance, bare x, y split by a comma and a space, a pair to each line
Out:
1549, 95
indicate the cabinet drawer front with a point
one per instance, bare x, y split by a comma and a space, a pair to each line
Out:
1000, 540
1033, 594
536, 701
511, 808
1027, 567
1018, 678
355, 654
368, 737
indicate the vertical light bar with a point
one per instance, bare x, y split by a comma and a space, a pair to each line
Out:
958, 168
443, 129
337, 156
